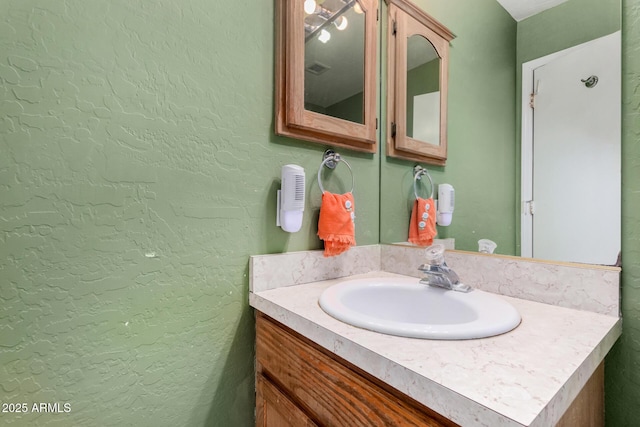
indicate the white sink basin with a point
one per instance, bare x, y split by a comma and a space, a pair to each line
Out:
401, 306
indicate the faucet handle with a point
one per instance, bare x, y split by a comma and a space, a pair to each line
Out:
435, 254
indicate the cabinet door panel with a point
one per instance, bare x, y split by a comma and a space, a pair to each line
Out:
587, 410
333, 393
417, 84
274, 409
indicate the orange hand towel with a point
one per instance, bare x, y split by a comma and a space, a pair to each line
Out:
422, 225
336, 224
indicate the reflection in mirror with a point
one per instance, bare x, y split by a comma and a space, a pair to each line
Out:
334, 60
571, 139
423, 91
485, 111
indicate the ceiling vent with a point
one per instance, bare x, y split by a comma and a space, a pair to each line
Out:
317, 68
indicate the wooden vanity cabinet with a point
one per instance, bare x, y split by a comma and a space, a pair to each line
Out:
299, 383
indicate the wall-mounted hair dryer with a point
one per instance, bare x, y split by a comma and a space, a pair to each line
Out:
446, 201
290, 206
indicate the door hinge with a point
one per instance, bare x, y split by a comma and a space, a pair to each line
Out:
529, 207
377, 14
532, 96
395, 28
393, 129
376, 123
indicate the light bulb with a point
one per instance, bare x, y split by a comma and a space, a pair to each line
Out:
341, 23
309, 6
324, 36
357, 8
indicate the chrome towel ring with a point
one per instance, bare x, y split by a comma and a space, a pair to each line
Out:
331, 160
418, 173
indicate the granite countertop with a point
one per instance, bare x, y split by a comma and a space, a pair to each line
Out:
526, 377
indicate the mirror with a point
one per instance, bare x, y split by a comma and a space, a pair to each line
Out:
417, 61
484, 117
326, 72
334, 62
423, 91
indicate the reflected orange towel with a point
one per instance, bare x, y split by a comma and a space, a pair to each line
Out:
422, 225
336, 225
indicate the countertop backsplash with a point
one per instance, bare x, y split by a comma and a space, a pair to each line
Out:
578, 286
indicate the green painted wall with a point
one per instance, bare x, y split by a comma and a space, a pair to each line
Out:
481, 132
350, 108
134, 128
138, 170
623, 363
566, 25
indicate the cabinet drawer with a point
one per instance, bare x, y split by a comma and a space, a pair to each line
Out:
274, 409
330, 390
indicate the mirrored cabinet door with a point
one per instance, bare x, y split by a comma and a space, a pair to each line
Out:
326, 71
418, 52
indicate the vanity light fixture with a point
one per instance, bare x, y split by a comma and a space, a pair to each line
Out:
341, 23
318, 17
309, 6
324, 36
357, 8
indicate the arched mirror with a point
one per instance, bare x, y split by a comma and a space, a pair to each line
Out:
418, 50
326, 72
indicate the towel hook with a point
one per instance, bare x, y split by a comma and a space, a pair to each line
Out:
331, 160
590, 81
418, 173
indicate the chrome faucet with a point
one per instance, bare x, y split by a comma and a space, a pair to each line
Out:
437, 273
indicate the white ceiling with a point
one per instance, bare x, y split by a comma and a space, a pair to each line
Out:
521, 9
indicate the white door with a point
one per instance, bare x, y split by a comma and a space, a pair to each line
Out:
426, 117
576, 155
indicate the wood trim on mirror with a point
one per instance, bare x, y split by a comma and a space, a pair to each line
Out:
406, 19
291, 117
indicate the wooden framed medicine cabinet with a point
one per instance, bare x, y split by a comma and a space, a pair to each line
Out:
417, 72
326, 72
